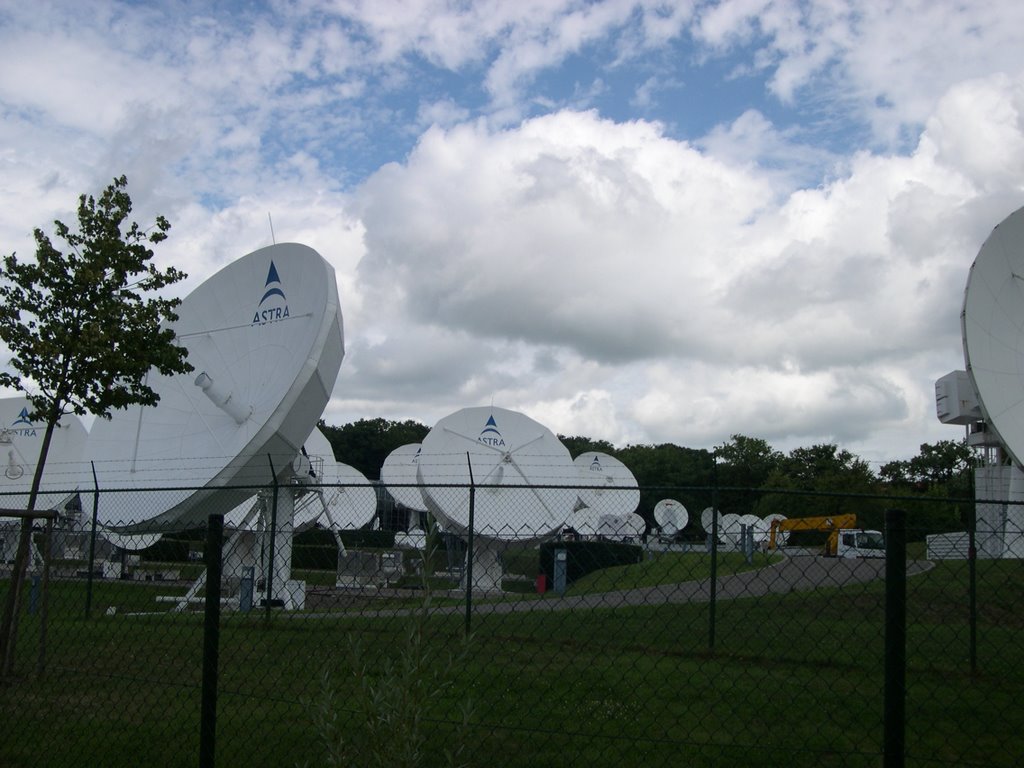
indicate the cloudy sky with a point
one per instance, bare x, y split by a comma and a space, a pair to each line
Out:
642, 221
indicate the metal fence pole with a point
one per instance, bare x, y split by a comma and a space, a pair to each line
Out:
469, 548
211, 642
972, 590
714, 553
895, 636
273, 536
44, 610
92, 540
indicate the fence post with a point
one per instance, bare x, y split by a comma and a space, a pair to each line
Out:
211, 642
972, 590
895, 636
92, 540
273, 536
44, 611
469, 548
714, 552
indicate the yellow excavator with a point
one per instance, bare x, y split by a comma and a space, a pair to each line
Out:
845, 538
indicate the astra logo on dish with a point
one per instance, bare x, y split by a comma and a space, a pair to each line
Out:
595, 465
490, 434
23, 425
273, 288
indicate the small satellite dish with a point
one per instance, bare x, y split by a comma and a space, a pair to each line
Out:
398, 473
20, 440
671, 516
586, 522
781, 537
265, 337
606, 484
729, 528
525, 476
751, 521
627, 527
707, 519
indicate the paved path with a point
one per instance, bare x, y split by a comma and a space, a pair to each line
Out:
791, 574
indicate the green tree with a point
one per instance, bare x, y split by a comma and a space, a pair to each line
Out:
744, 465
942, 474
83, 334
668, 470
823, 479
364, 444
578, 444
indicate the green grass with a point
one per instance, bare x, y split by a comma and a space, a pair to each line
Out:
793, 680
666, 568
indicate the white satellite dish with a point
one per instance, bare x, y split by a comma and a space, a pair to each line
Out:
623, 527
131, 543
398, 473
707, 519
992, 324
781, 537
527, 480
606, 484
265, 338
752, 522
350, 499
20, 440
671, 516
586, 522
729, 528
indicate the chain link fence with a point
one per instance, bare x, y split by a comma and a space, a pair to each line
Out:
605, 643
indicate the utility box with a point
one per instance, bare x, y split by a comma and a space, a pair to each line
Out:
245, 587
561, 570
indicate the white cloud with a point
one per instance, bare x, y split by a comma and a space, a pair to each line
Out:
885, 63
609, 277
796, 316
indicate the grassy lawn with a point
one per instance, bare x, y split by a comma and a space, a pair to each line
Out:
793, 680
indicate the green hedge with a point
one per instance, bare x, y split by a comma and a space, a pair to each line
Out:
583, 557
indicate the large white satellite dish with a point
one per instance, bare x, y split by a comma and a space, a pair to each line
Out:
992, 323
398, 473
131, 543
527, 477
671, 516
606, 484
265, 338
20, 440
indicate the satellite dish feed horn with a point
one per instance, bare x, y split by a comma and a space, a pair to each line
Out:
223, 398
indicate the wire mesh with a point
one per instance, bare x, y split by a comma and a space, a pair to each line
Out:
600, 642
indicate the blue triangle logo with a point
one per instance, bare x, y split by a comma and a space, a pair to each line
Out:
272, 278
272, 275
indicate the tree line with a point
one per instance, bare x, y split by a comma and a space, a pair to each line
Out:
744, 475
